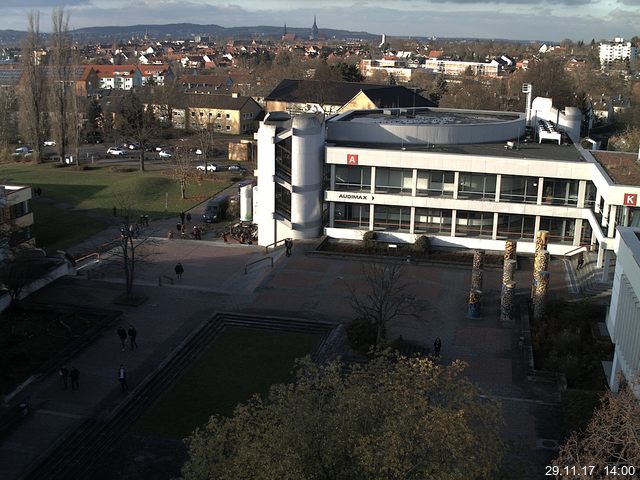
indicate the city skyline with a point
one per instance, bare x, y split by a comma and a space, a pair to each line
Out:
516, 19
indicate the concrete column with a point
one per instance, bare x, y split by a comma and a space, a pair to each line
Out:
596, 205
498, 187
542, 238
577, 232
454, 214
414, 183
509, 271
536, 225
373, 179
474, 310
540, 190
412, 221
612, 221
507, 303
607, 265
332, 178
602, 247
494, 232
616, 372
605, 215
476, 271
332, 213
582, 192
456, 179
371, 213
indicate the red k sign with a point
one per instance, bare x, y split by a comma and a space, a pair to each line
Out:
630, 199
352, 159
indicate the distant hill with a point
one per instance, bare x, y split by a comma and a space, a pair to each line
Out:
188, 30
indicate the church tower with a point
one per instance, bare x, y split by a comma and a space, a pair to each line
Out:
314, 30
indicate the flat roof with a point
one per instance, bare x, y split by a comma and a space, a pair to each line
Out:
622, 167
547, 150
427, 116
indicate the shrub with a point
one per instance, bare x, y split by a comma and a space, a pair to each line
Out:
369, 240
362, 334
422, 245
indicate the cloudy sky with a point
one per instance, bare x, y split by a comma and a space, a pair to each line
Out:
514, 19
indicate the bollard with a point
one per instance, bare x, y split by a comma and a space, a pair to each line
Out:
474, 304
507, 302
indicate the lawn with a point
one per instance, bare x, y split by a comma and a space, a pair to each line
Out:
240, 363
58, 228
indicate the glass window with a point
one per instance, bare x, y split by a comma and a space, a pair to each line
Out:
351, 215
228, 127
283, 159
353, 178
283, 202
560, 229
432, 220
516, 226
585, 234
390, 218
474, 224
394, 180
558, 191
435, 183
228, 116
19, 210
590, 198
519, 189
477, 186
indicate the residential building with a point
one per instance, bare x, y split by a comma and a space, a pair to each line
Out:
16, 221
330, 97
493, 68
118, 77
467, 179
618, 50
231, 114
156, 74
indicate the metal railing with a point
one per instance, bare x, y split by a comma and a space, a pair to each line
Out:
257, 261
274, 244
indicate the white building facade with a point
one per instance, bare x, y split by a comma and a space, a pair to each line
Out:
617, 50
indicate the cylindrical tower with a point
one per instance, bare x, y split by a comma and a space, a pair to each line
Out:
246, 203
307, 144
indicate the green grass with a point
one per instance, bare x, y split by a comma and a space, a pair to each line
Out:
57, 228
237, 365
102, 188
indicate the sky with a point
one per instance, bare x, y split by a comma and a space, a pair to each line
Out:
552, 20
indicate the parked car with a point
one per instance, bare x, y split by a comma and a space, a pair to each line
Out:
237, 168
117, 151
134, 146
215, 209
49, 143
24, 151
165, 154
209, 167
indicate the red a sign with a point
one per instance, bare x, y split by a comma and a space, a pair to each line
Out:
630, 199
353, 160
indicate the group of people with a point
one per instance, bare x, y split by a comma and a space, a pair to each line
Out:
131, 333
72, 374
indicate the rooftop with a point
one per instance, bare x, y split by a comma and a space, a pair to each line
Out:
427, 116
622, 167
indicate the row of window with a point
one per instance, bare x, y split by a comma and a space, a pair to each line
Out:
474, 186
467, 224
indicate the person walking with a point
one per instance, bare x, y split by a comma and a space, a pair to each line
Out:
182, 217
288, 243
74, 373
132, 337
64, 374
437, 345
179, 269
122, 333
122, 378
580, 260
188, 217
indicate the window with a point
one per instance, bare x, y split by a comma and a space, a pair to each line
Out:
477, 186
283, 202
228, 127
228, 116
353, 178
201, 114
474, 224
394, 180
516, 226
193, 114
390, 218
351, 215
283, 159
19, 210
435, 183
519, 189
431, 220
218, 115
558, 191
590, 200
560, 229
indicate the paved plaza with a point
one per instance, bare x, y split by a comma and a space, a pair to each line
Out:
306, 285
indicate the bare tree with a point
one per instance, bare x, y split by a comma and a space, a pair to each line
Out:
610, 440
61, 85
32, 95
137, 122
7, 119
183, 171
386, 296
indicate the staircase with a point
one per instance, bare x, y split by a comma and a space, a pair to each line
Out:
73, 456
588, 280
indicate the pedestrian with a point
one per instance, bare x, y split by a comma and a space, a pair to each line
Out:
122, 377
437, 345
224, 237
181, 217
75, 378
580, 260
132, 337
38, 191
115, 212
179, 227
183, 232
122, 333
64, 374
288, 243
179, 269
188, 217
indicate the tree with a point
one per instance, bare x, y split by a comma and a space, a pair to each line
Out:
7, 119
61, 84
183, 172
386, 296
348, 72
137, 122
32, 99
610, 439
393, 418
92, 131
550, 80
